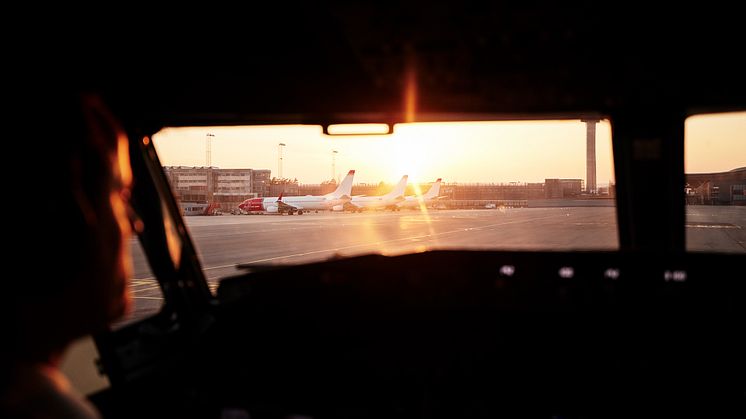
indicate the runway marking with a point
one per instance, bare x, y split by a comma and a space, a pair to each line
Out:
349, 221
713, 225
381, 242
147, 289
139, 282
244, 233
410, 238
307, 225
460, 230
270, 230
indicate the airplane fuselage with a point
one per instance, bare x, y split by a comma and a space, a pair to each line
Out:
302, 203
291, 204
375, 202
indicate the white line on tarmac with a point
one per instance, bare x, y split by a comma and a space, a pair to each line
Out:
147, 289
460, 230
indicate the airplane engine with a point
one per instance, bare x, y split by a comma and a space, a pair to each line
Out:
338, 208
272, 208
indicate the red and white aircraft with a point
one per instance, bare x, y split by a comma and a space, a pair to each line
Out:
300, 204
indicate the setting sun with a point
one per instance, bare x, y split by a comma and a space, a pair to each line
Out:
485, 152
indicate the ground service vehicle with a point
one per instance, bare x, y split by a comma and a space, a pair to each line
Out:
649, 324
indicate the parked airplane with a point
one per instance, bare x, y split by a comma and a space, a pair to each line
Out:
417, 201
301, 204
388, 201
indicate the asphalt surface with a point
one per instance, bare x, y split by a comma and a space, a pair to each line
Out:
228, 240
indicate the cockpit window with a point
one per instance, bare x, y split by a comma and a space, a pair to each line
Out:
267, 195
715, 190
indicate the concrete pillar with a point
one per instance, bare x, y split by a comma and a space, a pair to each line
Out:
590, 156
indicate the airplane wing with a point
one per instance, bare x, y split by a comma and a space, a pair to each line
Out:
349, 206
285, 206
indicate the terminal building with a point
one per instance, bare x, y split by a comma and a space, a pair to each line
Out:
723, 188
215, 188
563, 188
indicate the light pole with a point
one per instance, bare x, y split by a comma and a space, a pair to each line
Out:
334, 163
279, 160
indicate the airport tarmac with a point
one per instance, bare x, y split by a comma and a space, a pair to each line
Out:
226, 241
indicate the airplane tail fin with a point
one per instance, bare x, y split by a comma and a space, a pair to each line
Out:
398, 189
345, 187
434, 190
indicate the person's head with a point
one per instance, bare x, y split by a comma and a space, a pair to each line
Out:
80, 231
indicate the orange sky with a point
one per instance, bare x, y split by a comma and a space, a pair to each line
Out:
456, 152
715, 142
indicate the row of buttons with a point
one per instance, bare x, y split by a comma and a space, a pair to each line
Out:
568, 272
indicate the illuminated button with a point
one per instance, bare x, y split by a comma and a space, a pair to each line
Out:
507, 270
566, 272
611, 273
675, 276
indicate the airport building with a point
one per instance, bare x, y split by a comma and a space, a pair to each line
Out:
222, 188
260, 181
493, 191
563, 188
723, 188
